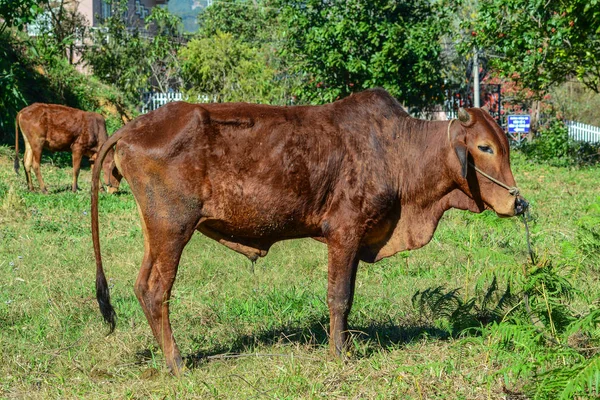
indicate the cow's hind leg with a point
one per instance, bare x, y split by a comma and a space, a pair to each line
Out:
37, 160
164, 243
27, 162
77, 155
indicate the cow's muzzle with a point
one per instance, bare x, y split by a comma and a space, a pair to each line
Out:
521, 205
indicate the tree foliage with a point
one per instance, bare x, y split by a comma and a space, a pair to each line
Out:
236, 55
221, 68
59, 30
161, 53
131, 59
26, 77
17, 13
346, 46
250, 22
540, 43
11, 96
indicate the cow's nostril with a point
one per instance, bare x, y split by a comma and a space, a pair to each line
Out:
520, 206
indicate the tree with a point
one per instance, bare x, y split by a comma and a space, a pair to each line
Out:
60, 30
136, 61
17, 13
116, 54
250, 22
161, 53
346, 46
222, 68
541, 43
236, 55
13, 14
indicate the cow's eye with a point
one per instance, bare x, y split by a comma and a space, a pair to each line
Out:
486, 149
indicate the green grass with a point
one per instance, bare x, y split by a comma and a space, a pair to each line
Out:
53, 343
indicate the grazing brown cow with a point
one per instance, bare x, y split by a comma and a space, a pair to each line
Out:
59, 128
359, 174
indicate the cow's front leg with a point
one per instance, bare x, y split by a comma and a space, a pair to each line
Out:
343, 263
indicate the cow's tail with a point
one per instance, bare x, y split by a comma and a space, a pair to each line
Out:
16, 165
102, 290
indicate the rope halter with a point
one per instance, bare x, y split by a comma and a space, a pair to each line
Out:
513, 190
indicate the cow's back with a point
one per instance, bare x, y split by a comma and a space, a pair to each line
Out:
58, 127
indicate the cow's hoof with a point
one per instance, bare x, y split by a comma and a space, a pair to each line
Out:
176, 366
179, 371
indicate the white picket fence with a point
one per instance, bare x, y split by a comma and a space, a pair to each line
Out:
583, 132
154, 100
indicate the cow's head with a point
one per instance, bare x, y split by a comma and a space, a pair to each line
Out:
112, 176
480, 144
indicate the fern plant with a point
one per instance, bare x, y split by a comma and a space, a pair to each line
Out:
552, 348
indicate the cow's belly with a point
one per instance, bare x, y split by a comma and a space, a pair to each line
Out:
256, 206
252, 218
252, 237
59, 142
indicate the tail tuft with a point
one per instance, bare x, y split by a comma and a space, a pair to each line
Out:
103, 297
16, 165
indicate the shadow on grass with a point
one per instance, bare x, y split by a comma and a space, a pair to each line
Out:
369, 339
61, 159
62, 189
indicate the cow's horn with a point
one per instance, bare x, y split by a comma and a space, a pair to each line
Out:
463, 115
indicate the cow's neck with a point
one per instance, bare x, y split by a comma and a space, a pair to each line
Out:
423, 157
426, 186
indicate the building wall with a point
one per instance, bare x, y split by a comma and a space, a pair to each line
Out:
88, 8
138, 10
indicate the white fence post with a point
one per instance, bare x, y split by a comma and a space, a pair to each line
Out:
154, 100
583, 132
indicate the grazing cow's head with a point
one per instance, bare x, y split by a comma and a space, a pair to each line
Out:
112, 176
482, 148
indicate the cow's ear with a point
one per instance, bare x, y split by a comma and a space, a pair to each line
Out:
462, 153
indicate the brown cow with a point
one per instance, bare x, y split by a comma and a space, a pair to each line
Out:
359, 174
59, 128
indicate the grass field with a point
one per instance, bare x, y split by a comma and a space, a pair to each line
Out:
261, 333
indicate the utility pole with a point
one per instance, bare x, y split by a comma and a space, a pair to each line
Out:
476, 102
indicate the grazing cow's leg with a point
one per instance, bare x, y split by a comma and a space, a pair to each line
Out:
163, 247
77, 155
343, 263
37, 159
27, 161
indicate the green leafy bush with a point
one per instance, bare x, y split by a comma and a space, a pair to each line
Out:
553, 146
11, 95
30, 72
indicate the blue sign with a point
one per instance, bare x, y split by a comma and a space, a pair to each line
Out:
519, 123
